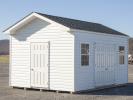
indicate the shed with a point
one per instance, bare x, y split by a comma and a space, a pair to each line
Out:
57, 53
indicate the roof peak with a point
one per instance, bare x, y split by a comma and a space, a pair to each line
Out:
82, 25
66, 18
73, 24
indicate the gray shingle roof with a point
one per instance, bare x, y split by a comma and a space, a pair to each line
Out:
82, 25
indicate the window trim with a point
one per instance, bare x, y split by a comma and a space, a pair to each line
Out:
84, 54
121, 54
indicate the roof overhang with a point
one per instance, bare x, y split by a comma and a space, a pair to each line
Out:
27, 19
105, 34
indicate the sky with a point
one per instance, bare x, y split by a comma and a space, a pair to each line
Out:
117, 14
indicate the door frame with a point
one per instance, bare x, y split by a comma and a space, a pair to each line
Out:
94, 69
48, 83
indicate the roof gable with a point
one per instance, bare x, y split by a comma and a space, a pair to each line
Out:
83, 25
72, 24
28, 19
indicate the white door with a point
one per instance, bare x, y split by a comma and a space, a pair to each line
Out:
39, 65
104, 64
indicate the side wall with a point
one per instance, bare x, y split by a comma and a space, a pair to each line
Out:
61, 62
84, 75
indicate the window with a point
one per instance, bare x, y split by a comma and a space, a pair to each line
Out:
84, 54
121, 54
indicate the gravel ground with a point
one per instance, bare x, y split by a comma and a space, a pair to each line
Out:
117, 93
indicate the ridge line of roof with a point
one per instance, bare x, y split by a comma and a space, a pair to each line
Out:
86, 22
68, 18
77, 24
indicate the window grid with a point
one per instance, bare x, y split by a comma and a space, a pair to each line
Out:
84, 54
121, 55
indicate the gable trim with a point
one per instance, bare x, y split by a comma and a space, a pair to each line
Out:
27, 19
98, 33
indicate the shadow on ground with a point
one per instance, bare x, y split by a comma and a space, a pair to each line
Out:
126, 90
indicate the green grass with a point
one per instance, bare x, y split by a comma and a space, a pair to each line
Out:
4, 58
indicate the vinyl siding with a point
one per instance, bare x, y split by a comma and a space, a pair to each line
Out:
61, 69
65, 72
84, 75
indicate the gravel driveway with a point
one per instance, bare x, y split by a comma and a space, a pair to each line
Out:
118, 93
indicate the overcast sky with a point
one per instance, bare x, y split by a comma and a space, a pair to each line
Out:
117, 14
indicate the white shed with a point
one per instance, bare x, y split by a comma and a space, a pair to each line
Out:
57, 53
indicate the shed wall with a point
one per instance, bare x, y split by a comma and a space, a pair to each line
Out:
84, 75
61, 70
65, 71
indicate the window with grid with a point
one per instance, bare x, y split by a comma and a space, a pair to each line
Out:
84, 54
121, 54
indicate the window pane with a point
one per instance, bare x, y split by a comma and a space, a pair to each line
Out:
121, 54
86, 60
83, 51
84, 54
87, 46
82, 60
121, 49
82, 46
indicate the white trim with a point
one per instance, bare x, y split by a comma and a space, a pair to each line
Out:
30, 64
48, 65
32, 16
28, 19
123, 65
127, 52
98, 33
84, 66
94, 64
48, 72
20, 23
10, 60
49, 20
114, 77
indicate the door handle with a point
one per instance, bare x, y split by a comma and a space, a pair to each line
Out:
32, 69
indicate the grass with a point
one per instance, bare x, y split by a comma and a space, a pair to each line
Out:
4, 58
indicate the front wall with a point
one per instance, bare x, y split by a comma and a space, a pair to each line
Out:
19, 63
84, 76
61, 54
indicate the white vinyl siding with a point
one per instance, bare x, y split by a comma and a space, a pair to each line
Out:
84, 76
61, 72
65, 71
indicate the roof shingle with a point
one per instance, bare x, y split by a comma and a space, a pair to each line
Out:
82, 25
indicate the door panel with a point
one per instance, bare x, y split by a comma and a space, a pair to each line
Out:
39, 64
104, 64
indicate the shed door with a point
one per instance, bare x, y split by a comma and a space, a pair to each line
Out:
39, 64
104, 64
